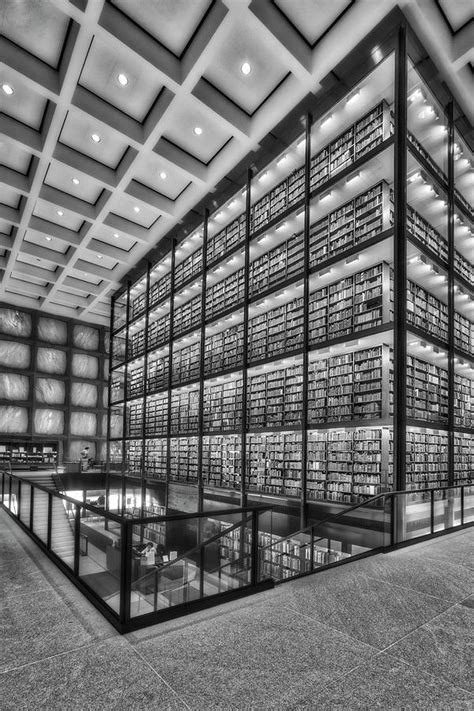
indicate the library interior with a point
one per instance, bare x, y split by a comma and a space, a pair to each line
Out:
237, 290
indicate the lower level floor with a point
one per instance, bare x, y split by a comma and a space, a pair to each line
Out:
389, 631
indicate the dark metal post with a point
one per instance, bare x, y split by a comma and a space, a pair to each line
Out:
254, 559
306, 263
170, 369
450, 119
400, 278
126, 572
432, 510
243, 454
32, 502
50, 519
77, 537
125, 388
202, 361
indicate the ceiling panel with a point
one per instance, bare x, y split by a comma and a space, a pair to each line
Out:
47, 264
46, 242
160, 175
15, 157
9, 196
126, 206
39, 25
24, 104
105, 64
241, 44
77, 133
48, 211
73, 182
458, 12
312, 19
187, 119
173, 24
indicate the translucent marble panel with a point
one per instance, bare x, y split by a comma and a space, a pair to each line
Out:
85, 337
49, 421
14, 387
13, 419
84, 366
15, 323
14, 355
84, 394
83, 423
50, 360
52, 331
51, 391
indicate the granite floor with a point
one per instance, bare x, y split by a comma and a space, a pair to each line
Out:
390, 631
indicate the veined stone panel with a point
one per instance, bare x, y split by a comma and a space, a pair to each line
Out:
84, 366
50, 391
85, 337
84, 395
83, 423
14, 387
14, 355
48, 421
13, 419
52, 331
15, 323
50, 360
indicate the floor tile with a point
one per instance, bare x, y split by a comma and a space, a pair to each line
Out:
263, 657
413, 569
373, 611
109, 675
444, 646
389, 684
453, 549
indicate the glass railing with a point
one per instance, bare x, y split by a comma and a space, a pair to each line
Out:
195, 560
383, 522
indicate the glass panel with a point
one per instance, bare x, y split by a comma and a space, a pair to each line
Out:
413, 515
25, 505
62, 530
15, 486
100, 558
468, 504
120, 311
40, 514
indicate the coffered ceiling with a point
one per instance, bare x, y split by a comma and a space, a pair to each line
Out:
118, 117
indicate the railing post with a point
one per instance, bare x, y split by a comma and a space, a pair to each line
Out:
10, 493
19, 499
3, 485
462, 505
254, 568
77, 542
311, 561
50, 519
32, 505
432, 510
126, 572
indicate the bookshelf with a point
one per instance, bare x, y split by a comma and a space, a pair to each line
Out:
29, 455
272, 347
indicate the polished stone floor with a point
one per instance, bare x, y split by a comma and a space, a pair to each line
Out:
390, 631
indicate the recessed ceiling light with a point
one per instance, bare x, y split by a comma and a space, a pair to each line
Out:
99, 256
197, 130
163, 175
75, 181
136, 208
95, 137
122, 79
7, 89
116, 234
60, 213
48, 238
246, 68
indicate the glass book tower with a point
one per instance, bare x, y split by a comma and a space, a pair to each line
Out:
310, 342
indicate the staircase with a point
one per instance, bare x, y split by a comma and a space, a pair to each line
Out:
62, 536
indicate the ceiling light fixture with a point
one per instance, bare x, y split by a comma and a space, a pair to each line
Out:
353, 97
95, 137
246, 68
48, 239
7, 89
326, 120
60, 213
197, 130
163, 175
75, 181
136, 208
122, 79
116, 235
